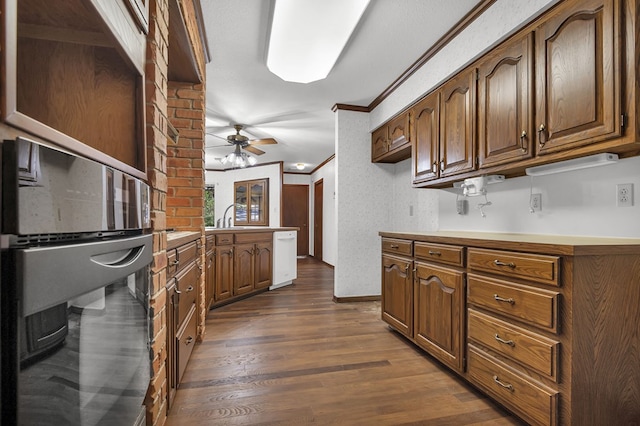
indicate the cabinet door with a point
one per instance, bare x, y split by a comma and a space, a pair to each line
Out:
505, 104
457, 118
397, 293
379, 144
263, 265
210, 277
398, 131
224, 273
578, 76
439, 313
424, 137
243, 269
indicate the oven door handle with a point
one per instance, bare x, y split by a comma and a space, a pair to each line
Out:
51, 275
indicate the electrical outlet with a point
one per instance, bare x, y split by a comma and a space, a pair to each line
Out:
624, 194
535, 202
462, 206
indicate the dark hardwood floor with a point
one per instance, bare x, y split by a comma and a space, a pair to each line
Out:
293, 357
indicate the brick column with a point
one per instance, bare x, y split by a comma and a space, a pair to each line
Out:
156, 133
185, 169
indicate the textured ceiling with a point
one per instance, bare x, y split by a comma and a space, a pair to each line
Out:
392, 35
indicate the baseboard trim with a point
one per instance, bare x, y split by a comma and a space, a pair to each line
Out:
356, 299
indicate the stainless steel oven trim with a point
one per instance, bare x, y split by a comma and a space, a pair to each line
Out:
71, 270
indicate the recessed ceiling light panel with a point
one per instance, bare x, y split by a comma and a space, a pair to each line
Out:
307, 36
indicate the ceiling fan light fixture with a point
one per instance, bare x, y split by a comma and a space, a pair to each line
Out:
308, 36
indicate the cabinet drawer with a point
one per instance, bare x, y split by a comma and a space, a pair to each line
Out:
187, 283
451, 255
253, 237
210, 242
224, 239
531, 305
393, 245
185, 341
535, 403
181, 256
535, 267
527, 348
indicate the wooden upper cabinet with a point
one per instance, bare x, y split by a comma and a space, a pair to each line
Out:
578, 75
457, 121
506, 104
391, 143
425, 138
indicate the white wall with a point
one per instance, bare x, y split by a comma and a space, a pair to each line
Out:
223, 182
363, 194
329, 241
297, 179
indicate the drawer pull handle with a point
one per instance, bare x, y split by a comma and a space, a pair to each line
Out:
189, 340
504, 385
506, 342
510, 264
394, 246
502, 299
434, 253
175, 262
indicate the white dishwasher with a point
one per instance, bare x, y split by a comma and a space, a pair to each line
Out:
285, 268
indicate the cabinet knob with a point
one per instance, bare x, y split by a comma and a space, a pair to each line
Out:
188, 340
504, 342
523, 138
502, 299
189, 289
499, 263
501, 383
541, 134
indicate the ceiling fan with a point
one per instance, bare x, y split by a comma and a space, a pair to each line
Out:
237, 157
242, 141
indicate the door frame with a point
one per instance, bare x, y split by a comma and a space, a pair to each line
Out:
318, 204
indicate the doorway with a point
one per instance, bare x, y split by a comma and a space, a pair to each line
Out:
317, 218
295, 212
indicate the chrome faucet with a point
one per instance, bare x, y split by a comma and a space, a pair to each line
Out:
224, 217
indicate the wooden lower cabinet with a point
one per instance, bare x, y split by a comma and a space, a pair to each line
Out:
210, 271
243, 265
547, 326
439, 312
184, 274
397, 293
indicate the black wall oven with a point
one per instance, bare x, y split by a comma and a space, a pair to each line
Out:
74, 291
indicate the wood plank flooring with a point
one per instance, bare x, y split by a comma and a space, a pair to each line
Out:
293, 357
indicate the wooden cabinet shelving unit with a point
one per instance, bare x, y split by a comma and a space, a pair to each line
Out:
74, 75
546, 327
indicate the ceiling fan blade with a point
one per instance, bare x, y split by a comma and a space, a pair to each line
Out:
267, 141
253, 150
216, 136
